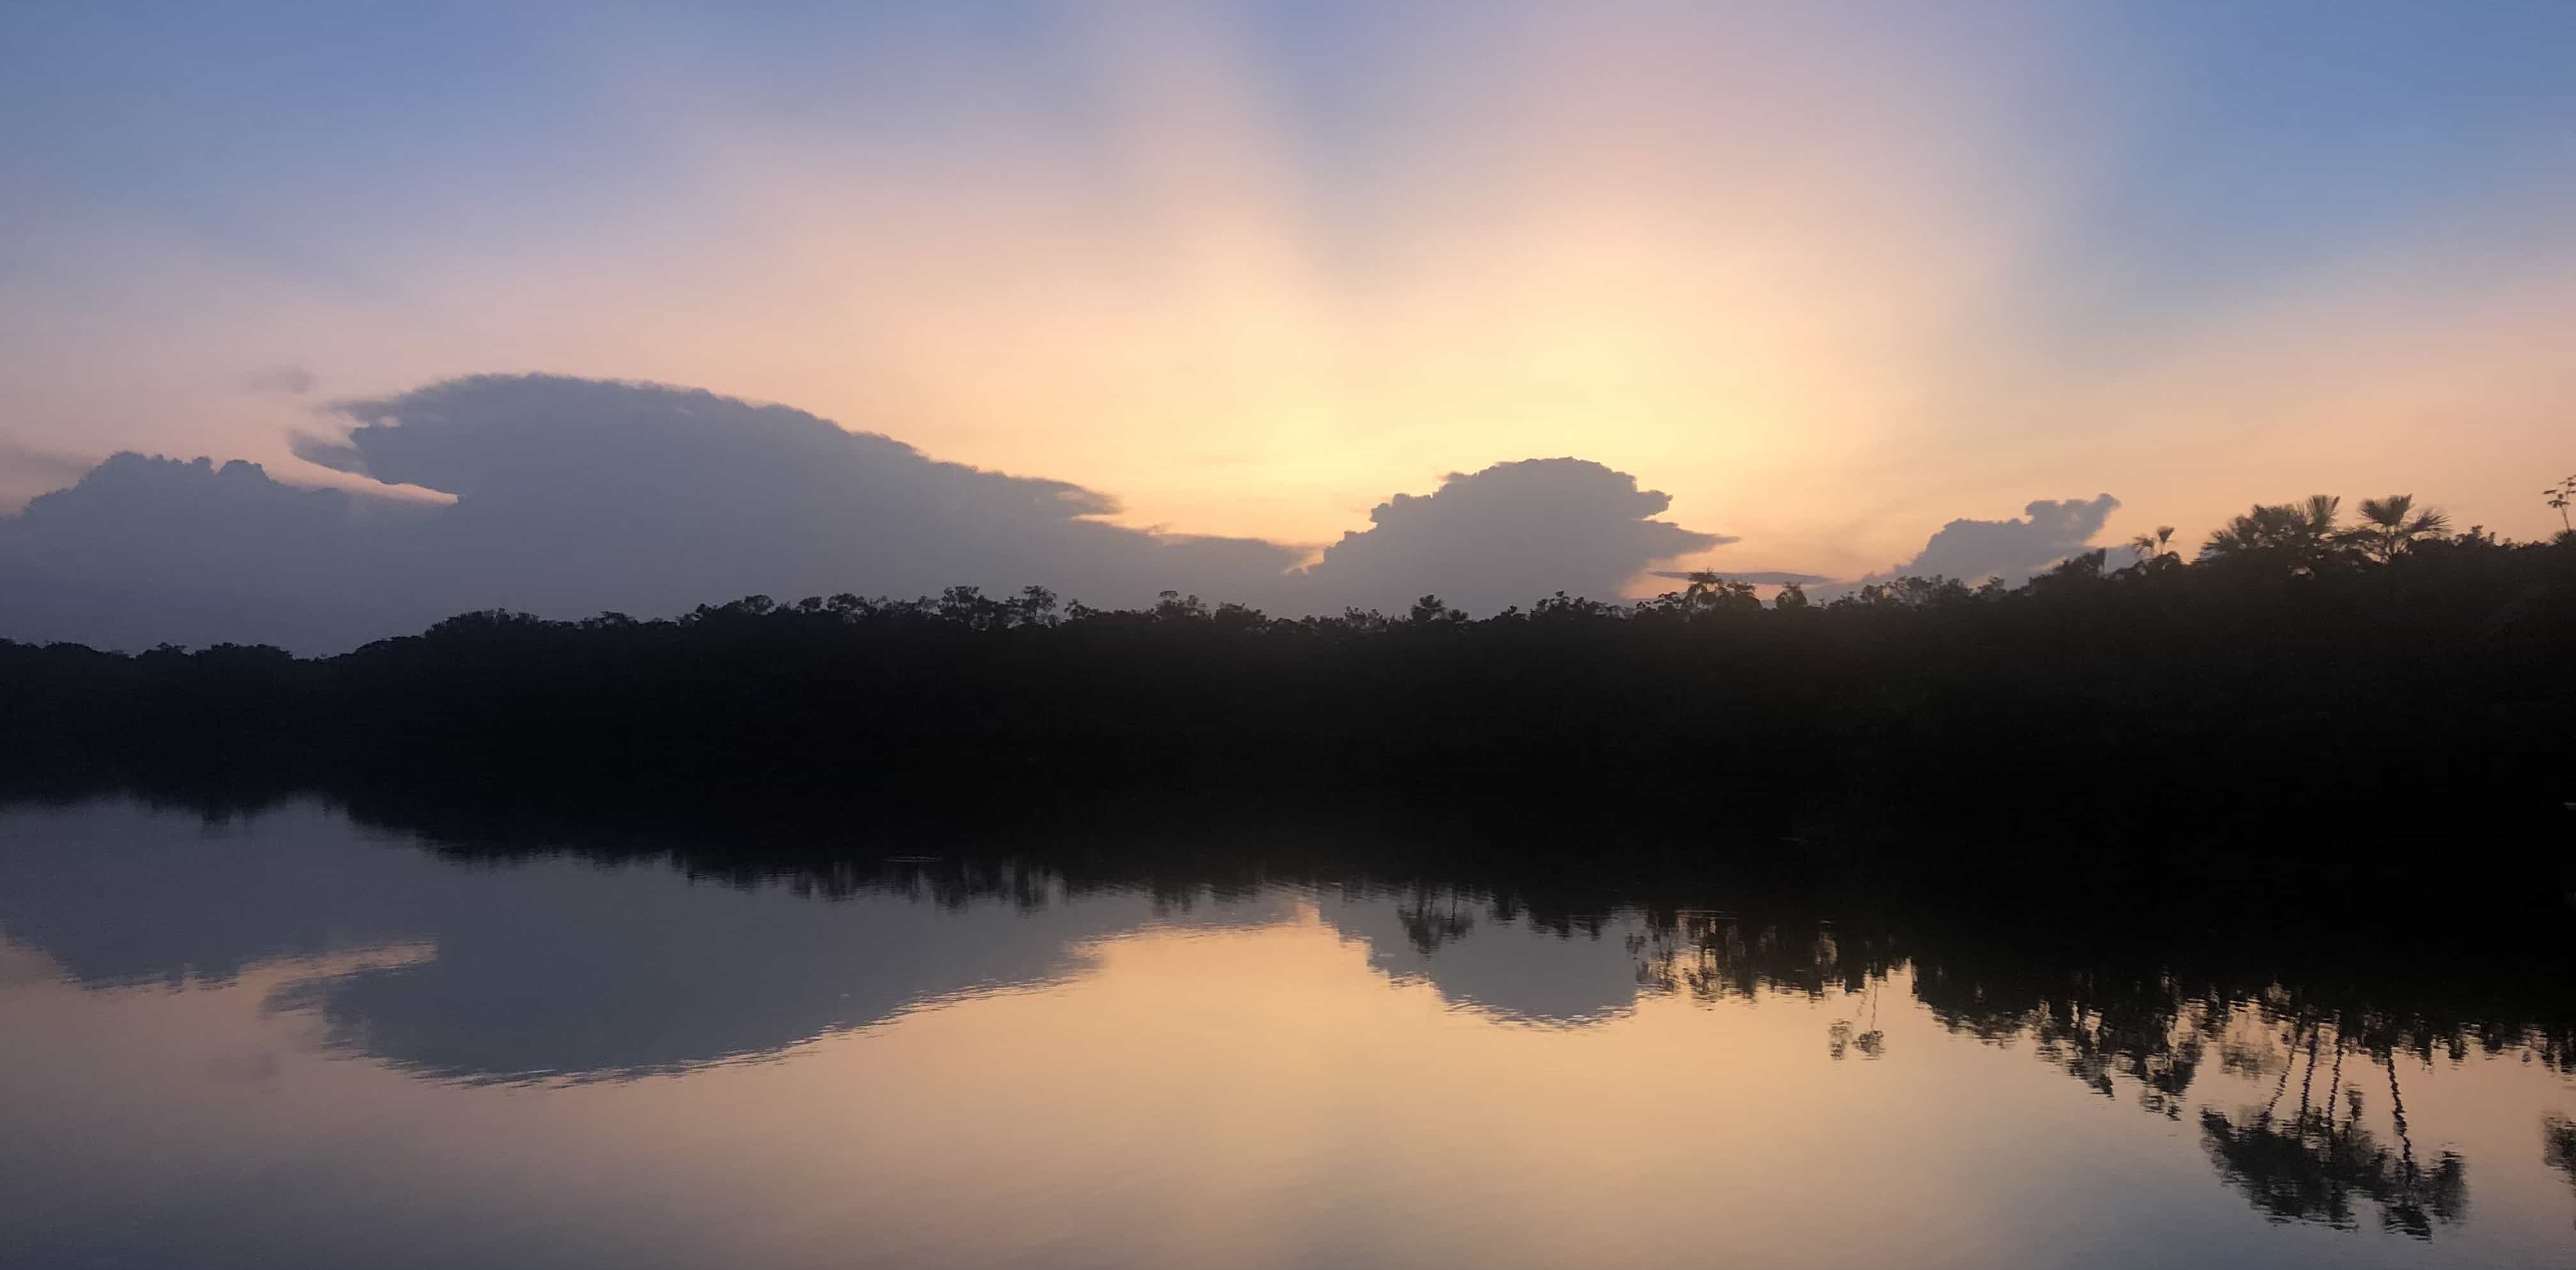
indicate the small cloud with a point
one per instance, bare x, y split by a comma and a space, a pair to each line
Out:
1758, 577
1972, 550
1507, 535
331, 452
292, 381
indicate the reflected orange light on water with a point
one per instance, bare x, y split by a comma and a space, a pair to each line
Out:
1272, 1089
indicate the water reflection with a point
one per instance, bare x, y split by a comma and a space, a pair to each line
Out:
118, 894
2354, 1106
2303, 1165
2558, 1144
542, 967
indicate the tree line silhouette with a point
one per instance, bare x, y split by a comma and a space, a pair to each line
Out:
2387, 672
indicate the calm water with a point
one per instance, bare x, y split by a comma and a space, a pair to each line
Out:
288, 1040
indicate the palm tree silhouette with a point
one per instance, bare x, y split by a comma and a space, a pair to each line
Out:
2299, 537
2391, 525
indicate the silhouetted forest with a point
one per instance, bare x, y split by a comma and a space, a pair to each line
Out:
2300, 674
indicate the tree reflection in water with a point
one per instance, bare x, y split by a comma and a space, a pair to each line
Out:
2317, 1159
1715, 956
2558, 1145
2314, 1019
2310, 1164
1434, 917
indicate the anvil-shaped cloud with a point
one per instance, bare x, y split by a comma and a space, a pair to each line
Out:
574, 496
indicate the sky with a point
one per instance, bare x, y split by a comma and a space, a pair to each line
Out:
1829, 275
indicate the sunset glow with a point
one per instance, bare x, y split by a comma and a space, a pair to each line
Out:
1830, 275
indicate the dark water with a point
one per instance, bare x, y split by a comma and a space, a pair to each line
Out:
288, 1040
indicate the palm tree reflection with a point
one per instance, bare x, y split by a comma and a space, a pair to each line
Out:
2323, 1148
2314, 1162
1429, 922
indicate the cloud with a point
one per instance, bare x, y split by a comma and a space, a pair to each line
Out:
570, 497
1506, 535
573, 496
579, 495
150, 549
293, 381
1758, 577
1973, 550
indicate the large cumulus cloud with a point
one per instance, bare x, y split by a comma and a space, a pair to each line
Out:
581, 495
573, 496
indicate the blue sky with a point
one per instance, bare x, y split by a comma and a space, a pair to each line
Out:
1830, 274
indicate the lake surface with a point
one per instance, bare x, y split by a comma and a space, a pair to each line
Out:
287, 1039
